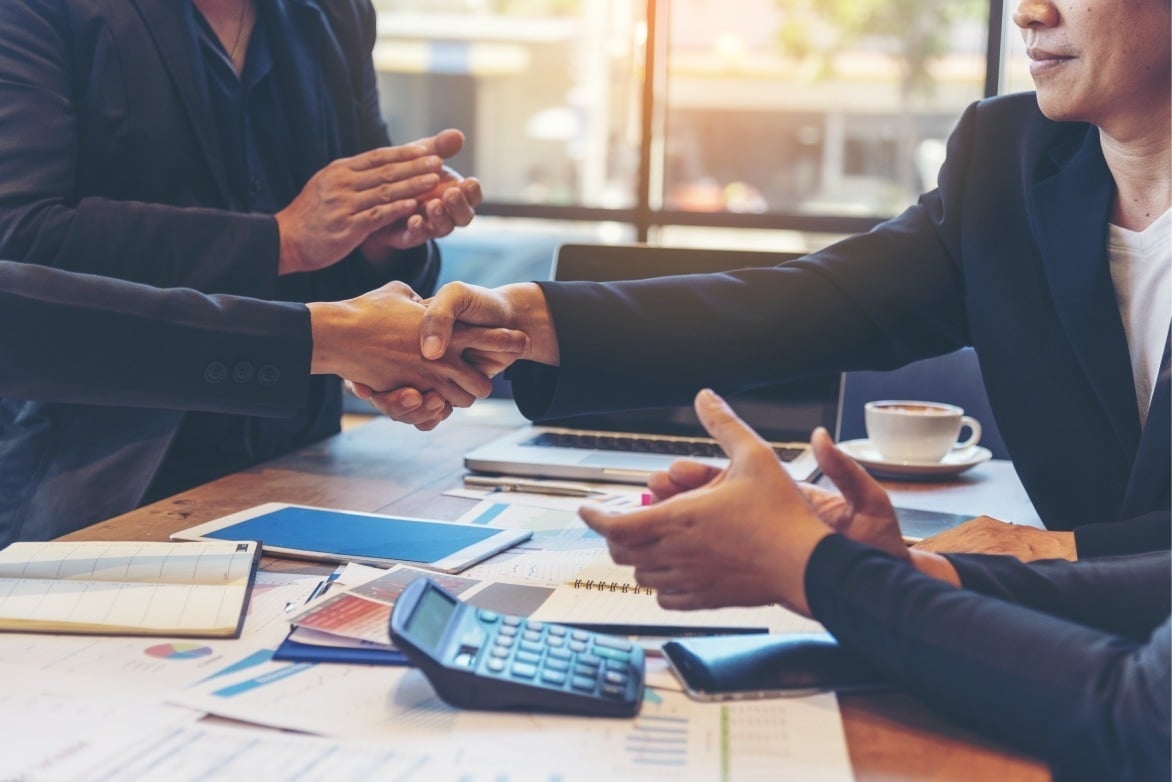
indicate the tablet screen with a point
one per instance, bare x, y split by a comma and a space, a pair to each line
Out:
355, 535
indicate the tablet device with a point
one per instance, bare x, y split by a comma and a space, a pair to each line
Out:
742, 667
368, 538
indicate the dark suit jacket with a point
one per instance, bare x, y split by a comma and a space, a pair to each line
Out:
1008, 255
80, 338
109, 165
1069, 662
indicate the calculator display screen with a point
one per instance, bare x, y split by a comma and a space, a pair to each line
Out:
426, 624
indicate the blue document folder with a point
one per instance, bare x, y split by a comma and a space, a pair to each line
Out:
298, 652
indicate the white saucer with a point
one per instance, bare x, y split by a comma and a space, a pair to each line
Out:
952, 464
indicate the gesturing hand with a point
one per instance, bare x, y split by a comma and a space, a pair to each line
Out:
741, 538
860, 509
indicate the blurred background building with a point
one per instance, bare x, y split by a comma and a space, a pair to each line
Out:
749, 123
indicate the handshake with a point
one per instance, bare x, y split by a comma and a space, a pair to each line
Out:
415, 360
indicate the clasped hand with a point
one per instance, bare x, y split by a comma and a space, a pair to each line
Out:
379, 201
373, 341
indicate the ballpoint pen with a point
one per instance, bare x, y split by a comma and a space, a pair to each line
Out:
534, 487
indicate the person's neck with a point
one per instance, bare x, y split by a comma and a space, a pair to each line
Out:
1140, 161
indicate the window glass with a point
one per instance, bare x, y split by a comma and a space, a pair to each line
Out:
825, 107
499, 250
547, 91
1015, 65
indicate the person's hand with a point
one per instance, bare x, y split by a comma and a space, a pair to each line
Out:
742, 538
456, 308
521, 306
426, 410
450, 204
351, 198
985, 535
860, 509
373, 340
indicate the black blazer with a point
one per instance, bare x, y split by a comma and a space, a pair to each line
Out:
1069, 661
80, 338
1008, 254
109, 165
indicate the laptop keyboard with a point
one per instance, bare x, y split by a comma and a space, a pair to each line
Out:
672, 446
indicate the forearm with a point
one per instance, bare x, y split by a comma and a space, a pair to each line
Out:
1094, 705
95, 340
1125, 595
205, 249
1150, 532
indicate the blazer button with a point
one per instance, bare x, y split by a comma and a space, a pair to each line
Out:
215, 372
243, 372
268, 375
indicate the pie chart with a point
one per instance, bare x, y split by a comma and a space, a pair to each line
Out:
179, 651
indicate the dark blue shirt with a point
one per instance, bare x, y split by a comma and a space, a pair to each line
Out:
255, 126
250, 119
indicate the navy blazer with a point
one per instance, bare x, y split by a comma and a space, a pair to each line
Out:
1008, 254
81, 338
109, 165
1069, 661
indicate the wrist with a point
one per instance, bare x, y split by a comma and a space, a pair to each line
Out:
326, 328
531, 315
934, 565
289, 259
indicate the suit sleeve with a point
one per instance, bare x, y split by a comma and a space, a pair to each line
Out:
1149, 532
43, 219
85, 339
873, 301
1095, 704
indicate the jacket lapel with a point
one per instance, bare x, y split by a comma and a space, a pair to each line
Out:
165, 21
1149, 485
302, 51
1070, 208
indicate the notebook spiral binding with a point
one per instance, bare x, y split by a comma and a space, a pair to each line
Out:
612, 586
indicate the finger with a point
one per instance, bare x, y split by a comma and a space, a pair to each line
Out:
472, 191
691, 475
446, 143
457, 207
430, 412
857, 487
360, 390
489, 340
413, 187
632, 529
734, 435
382, 215
458, 394
456, 301
383, 156
439, 222
397, 404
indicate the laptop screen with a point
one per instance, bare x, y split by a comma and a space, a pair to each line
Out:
787, 412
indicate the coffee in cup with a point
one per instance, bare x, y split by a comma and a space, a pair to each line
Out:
913, 431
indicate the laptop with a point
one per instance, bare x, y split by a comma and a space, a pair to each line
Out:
626, 447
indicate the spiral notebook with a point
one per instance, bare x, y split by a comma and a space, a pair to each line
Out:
605, 596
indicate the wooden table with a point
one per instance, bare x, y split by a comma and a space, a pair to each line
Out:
383, 466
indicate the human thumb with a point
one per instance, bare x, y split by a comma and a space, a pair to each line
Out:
733, 434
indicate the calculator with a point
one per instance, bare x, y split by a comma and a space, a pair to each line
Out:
480, 659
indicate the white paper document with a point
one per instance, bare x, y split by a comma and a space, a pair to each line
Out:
673, 738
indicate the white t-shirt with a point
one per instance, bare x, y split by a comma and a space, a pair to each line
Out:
1141, 270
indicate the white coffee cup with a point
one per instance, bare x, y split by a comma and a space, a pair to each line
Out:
903, 430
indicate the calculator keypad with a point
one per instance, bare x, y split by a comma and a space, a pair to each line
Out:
555, 656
